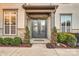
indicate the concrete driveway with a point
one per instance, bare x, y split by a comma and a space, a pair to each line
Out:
37, 50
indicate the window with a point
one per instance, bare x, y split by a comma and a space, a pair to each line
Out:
10, 17
66, 22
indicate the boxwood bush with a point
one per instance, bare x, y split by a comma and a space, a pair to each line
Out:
67, 38
61, 37
77, 36
7, 41
1, 40
17, 41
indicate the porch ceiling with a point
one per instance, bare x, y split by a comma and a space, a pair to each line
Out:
41, 16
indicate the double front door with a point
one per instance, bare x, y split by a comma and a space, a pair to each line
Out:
39, 28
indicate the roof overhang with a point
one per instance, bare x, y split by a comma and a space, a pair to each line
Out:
41, 7
40, 10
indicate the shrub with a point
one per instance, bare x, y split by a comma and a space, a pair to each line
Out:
67, 38
54, 29
77, 36
61, 37
7, 41
27, 36
17, 41
71, 40
11, 42
54, 36
1, 41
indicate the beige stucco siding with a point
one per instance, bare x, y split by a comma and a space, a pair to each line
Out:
68, 9
21, 21
21, 18
1, 21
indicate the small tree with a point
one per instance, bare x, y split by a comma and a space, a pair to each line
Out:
54, 30
27, 35
54, 36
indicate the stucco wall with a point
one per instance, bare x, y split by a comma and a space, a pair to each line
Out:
68, 9
62, 9
1, 21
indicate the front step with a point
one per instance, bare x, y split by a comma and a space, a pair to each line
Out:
39, 45
39, 40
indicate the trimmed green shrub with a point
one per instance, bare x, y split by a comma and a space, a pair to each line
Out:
77, 36
7, 41
11, 42
27, 36
71, 40
54, 36
1, 41
54, 29
67, 38
61, 37
17, 41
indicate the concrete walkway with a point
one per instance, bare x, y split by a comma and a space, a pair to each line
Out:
37, 50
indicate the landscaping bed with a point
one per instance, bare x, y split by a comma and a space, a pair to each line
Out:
21, 45
59, 45
50, 46
13, 42
63, 40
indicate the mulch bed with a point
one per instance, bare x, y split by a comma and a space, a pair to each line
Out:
50, 46
22, 45
63, 48
68, 47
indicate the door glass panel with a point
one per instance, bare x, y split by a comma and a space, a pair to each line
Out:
35, 28
35, 25
42, 28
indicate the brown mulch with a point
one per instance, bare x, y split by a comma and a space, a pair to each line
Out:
22, 45
64, 46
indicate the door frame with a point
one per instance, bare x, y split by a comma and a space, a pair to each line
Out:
31, 27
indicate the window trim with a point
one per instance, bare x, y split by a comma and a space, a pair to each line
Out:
66, 26
16, 26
